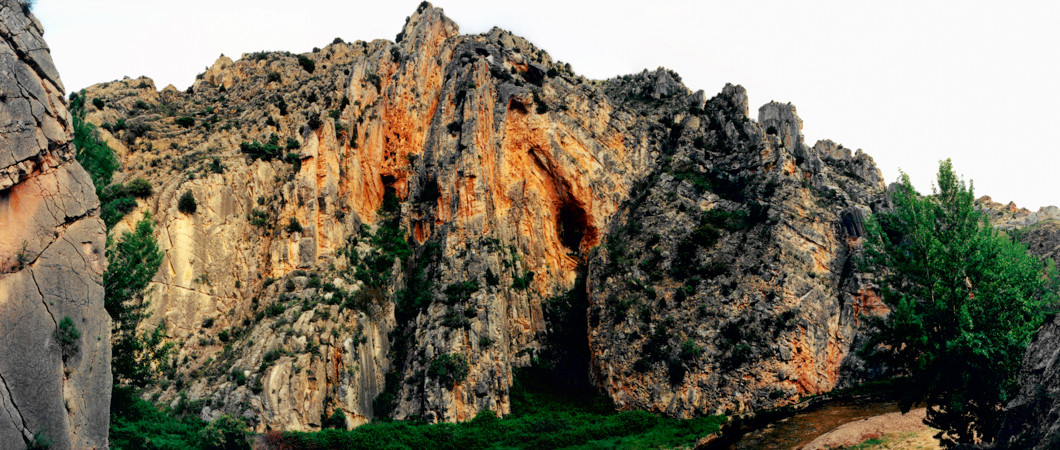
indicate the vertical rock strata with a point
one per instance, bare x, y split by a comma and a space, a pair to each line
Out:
375, 217
51, 257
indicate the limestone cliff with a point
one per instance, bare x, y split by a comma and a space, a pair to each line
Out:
390, 228
55, 375
726, 283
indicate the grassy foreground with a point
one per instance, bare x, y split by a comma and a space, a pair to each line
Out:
541, 418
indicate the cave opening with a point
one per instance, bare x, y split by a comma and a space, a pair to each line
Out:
516, 106
572, 223
390, 198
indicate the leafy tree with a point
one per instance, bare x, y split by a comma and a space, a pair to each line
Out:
133, 261
965, 301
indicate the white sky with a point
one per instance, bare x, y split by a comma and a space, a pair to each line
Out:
910, 82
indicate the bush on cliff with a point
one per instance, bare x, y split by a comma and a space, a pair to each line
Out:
965, 301
187, 204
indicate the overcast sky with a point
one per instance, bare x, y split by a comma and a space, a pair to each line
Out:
910, 82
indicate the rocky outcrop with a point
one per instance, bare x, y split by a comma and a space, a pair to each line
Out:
503, 167
391, 228
1031, 419
55, 377
726, 284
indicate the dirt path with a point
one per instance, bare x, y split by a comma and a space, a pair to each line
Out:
889, 431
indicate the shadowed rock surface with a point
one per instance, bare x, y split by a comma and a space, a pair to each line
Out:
51, 257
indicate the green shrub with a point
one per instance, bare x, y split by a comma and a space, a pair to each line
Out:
185, 121
293, 226
523, 282
187, 204
22, 256
114, 210
293, 144
491, 278
460, 292
306, 63
40, 441
449, 369
67, 336
257, 386
259, 218
139, 188
275, 309
337, 420
216, 166
98, 103
227, 433
268, 151
375, 80
273, 76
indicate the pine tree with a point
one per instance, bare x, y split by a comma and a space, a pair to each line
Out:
965, 301
133, 262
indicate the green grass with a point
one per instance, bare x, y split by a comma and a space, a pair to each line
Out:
541, 418
871, 443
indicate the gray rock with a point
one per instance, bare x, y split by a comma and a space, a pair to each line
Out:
51, 257
1031, 419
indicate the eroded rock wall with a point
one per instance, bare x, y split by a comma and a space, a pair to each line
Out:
51, 257
373, 217
505, 167
727, 284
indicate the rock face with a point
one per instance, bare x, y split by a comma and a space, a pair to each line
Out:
1031, 419
55, 381
390, 228
726, 282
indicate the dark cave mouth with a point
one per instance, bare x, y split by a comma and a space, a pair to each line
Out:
572, 224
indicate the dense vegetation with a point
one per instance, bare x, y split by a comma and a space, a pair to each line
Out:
137, 424
965, 301
542, 417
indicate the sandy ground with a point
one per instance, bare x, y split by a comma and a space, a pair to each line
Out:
889, 431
